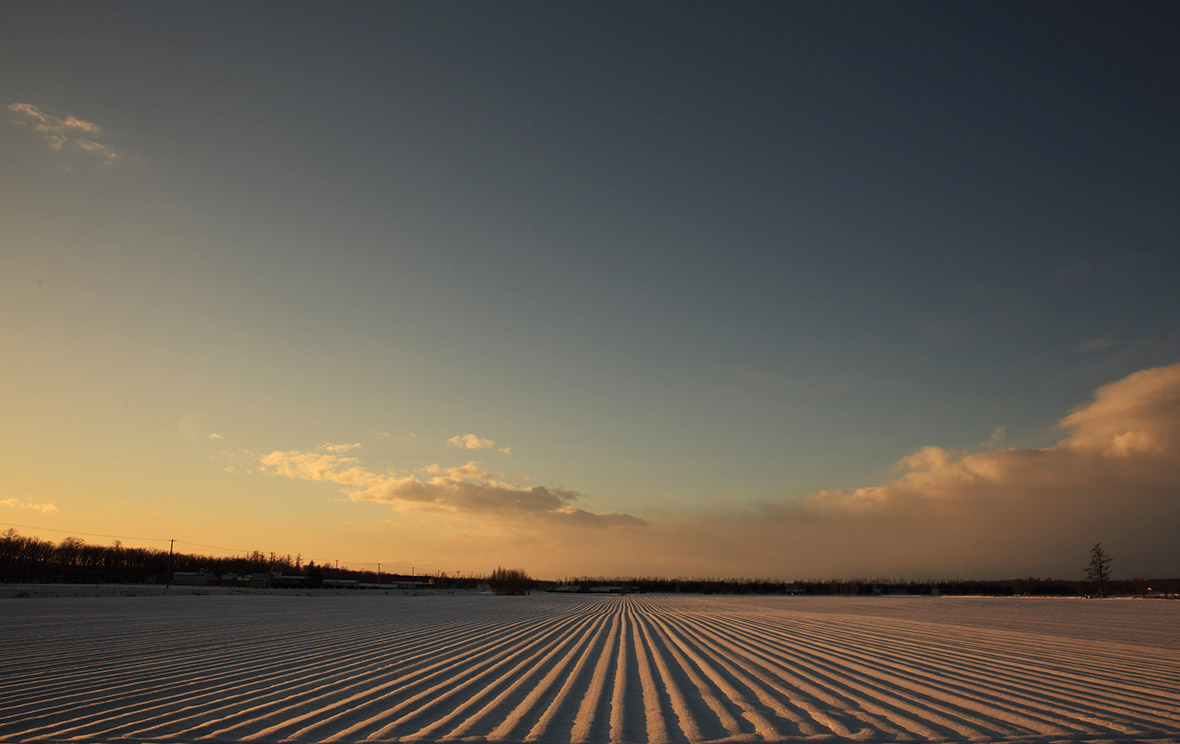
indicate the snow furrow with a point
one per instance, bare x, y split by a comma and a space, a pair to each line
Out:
585, 669
1012, 682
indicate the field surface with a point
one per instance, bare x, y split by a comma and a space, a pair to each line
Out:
587, 669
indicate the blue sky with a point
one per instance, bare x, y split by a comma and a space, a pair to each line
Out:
680, 259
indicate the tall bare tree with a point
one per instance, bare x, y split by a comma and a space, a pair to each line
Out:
1098, 570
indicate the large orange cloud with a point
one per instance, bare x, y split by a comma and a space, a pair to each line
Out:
1114, 477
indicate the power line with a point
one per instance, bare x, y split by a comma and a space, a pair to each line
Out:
87, 534
122, 537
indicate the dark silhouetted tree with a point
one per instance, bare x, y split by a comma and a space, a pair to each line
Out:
510, 581
1098, 570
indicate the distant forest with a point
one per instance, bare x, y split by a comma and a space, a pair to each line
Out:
72, 561
30, 560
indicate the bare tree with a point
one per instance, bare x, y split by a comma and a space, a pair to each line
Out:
1099, 567
510, 581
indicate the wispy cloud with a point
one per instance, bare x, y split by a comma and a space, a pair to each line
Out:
471, 441
338, 448
1094, 344
407, 437
996, 439
68, 134
463, 489
215, 435
16, 503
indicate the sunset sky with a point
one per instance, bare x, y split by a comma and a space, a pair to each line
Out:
797, 290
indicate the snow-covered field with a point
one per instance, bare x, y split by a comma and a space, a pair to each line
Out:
587, 669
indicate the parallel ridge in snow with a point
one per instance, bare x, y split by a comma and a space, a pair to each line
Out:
580, 670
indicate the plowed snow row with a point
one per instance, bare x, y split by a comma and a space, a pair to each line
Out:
586, 670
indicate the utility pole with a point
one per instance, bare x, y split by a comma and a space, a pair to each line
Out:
171, 563
378, 575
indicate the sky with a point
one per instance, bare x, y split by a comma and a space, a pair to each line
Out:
789, 290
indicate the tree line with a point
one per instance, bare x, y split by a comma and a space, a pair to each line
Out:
31, 560
1028, 586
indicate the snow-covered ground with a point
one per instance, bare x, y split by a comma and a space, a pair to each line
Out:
586, 669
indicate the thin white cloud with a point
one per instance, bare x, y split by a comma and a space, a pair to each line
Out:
17, 504
215, 435
68, 134
471, 441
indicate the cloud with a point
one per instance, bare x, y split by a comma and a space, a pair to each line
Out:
926, 458
69, 134
466, 489
1114, 476
1136, 416
314, 466
409, 437
215, 435
46, 508
470, 441
997, 438
337, 448
994, 511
